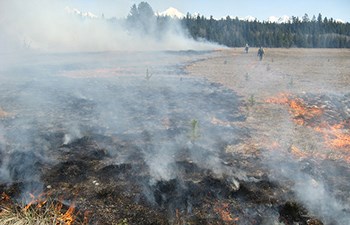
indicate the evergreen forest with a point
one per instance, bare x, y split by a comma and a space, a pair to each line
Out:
305, 32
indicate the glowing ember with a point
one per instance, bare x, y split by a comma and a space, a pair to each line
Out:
297, 152
3, 113
282, 98
4, 197
335, 136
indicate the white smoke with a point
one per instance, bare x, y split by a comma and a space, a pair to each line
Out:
310, 189
48, 26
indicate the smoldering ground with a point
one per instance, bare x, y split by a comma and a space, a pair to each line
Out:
52, 99
56, 103
61, 113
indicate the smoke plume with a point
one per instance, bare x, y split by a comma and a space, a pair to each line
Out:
54, 26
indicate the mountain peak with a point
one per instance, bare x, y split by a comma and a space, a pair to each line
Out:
172, 12
249, 18
79, 13
275, 19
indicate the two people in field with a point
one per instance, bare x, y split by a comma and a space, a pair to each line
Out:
261, 51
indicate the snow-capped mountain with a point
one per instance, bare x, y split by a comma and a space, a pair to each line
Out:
79, 13
272, 19
249, 18
172, 12
282, 19
339, 21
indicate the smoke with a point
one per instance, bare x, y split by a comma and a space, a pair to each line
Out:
65, 77
54, 26
53, 100
311, 189
37, 40
310, 180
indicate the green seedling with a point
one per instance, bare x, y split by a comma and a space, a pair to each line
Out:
194, 129
251, 100
148, 75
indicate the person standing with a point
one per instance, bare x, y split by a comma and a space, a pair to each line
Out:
261, 53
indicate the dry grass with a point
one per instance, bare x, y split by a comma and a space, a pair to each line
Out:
43, 212
281, 70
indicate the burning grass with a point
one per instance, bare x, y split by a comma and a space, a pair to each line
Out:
326, 115
41, 210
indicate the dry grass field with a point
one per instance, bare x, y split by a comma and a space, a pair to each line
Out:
281, 70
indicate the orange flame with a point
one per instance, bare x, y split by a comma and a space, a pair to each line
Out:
224, 212
301, 112
39, 201
68, 217
335, 136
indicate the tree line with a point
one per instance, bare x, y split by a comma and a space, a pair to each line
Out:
305, 33
317, 32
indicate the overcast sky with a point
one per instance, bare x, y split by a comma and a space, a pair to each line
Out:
262, 9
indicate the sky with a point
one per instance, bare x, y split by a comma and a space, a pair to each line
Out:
261, 9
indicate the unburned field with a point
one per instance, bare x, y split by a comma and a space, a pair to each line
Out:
281, 70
